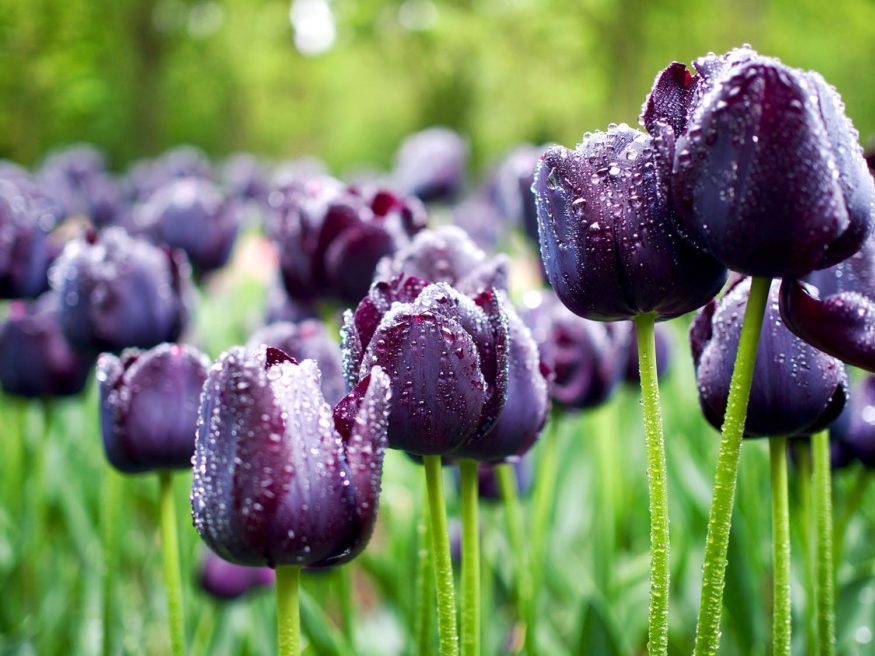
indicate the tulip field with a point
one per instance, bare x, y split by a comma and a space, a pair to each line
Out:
611, 398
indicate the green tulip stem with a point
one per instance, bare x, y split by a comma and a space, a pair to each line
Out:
720, 519
803, 454
470, 559
443, 566
657, 644
345, 593
423, 628
781, 613
288, 610
172, 576
109, 506
824, 581
507, 482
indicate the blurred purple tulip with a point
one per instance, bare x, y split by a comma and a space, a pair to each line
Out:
191, 214
607, 240
857, 431
768, 175
834, 309
278, 478
35, 359
487, 480
77, 180
431, 164
25, 251
280, 307
447, 254
307, 340
664, 348
116, 292
796, 389
446, 355
587, 358
245, 178
149, 406
511, 187
147, 176
226, 581
331, 237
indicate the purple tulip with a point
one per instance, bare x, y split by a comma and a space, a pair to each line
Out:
226, 581
278, 478
768, 175
481, 220
149, 406
606, 229
587, 358
117, 292
24, 243
431, 164
35, 359
147, 176
77, 180
447, 356
664, 349
511, 187
834, 309
527, 405
796, 389
191, 214
245, 178
857, 432
447, 254
488, 487
331, 237
307, 340
280, 307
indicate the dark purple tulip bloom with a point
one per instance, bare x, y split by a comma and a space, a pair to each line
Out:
796, 390
24, 243
528, 400
117, 292
245, 178
487, 480
431, 164
77, 180
149, 406
147, 176
481, 220
226, 581
278, 478
191, 214
587, 358
834, 309
608, 241
35, 359
511, 187
447, 254
663, 354
857, 433
282, 308
307, 340
331, 237
768, 175
446, 355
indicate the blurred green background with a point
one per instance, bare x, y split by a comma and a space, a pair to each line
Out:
135, 76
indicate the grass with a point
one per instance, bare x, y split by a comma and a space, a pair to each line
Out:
593, 597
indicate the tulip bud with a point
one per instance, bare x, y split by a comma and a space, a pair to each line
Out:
24, 243
768, 176
191, 214
278, 478
431, 164
148, 406
607, 238
447, 254
446, 354
586, 358
834, 309
226, 581
796, 389
35, 359
307, 340
116, 292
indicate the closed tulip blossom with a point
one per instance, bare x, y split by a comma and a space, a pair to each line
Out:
331, 237
307, 340
587, 358
149, 406
25, 251
447, 254
77, 180
859, 432
511, 187
834, 309
227, 581
35, 359
117, 291
191, 214
769, 176
431, 164
796, 389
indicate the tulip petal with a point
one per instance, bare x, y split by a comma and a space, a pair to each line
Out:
671, 98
